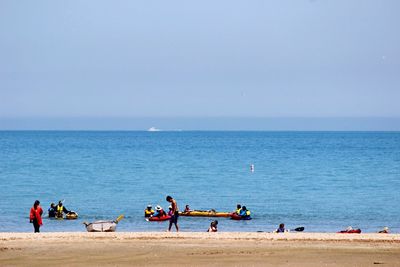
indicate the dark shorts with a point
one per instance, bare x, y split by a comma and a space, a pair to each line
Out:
174, 218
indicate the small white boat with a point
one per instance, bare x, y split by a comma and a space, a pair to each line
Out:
103, 226
153, 129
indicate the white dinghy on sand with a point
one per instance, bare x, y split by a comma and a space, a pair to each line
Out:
103, 226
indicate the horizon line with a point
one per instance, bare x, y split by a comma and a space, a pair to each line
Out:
203, 124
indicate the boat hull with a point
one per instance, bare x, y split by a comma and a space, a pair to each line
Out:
101, 226
159, 219
71, 215
205, 213
237, 217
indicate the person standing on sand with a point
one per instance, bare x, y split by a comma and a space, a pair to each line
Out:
175, 213
35, 216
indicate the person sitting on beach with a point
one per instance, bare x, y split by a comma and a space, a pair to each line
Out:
148, 211
385, 230
159, 212
238, 209
244, 213
187, 209
213, 226
60, 210
281, 228
52, 210
350, 230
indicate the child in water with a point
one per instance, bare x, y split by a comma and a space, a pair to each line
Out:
187, 209
170, 211
213, 226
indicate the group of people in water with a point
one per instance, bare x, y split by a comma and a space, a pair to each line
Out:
55, 211
58, 211
172, 214
243, 212
160, 213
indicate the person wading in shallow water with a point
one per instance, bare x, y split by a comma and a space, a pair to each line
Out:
175, 213
60, 210
35, 216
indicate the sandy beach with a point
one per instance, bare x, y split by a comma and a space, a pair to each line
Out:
199, 249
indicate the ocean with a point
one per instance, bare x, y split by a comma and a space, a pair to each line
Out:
324, 181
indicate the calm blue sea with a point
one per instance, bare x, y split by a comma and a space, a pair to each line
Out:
324, 181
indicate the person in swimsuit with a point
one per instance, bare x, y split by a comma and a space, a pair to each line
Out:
174, 212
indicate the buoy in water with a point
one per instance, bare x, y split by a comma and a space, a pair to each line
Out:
252, 167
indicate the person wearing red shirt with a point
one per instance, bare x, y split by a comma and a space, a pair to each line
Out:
35, 216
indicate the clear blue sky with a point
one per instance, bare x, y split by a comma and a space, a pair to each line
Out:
79, 60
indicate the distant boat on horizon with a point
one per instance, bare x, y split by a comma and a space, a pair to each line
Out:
153, 129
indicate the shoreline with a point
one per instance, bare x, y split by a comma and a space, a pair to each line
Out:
291, 236
198, 249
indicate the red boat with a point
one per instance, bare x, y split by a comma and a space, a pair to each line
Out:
235, 216
353, 231
159, 219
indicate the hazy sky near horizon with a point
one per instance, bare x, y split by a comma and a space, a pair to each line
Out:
305, 58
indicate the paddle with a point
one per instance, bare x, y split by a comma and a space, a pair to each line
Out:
298, 229
120, 217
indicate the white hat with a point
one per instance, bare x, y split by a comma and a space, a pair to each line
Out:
385, 228
158, 207
170, 207
149, 206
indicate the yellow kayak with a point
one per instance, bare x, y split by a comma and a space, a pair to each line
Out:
205, 213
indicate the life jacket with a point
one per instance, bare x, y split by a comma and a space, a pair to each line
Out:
147, 212
238, 211
59, 212
247, 213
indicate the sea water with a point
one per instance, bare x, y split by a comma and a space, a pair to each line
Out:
324, 181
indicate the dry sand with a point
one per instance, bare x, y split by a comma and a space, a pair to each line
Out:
199, 249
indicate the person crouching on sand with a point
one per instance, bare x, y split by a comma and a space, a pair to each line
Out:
385, 230
281, 229
35, 216
175, 213
213, 226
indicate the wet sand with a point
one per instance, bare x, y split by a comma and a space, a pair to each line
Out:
199, 249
